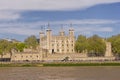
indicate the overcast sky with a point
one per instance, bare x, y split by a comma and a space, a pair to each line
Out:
22, 18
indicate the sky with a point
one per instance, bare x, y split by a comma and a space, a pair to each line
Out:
22, 18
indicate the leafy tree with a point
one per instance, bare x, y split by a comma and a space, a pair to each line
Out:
115, 41
96, 46
20, 46
81, 44
5, 47
31, 42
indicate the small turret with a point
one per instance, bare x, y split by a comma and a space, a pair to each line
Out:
41, 34
71, 31
108, 52
48, 31
49, 37
41, 37
62, 32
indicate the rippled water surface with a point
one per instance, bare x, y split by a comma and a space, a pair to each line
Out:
60, 73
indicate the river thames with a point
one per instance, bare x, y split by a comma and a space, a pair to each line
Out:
59, 73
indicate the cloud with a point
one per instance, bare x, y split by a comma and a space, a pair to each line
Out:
50, 4
87, 21
94, 29
20, 31
9, 15
33, 28
9, 9
17, 28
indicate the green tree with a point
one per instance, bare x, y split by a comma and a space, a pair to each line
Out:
20, 46
96, 46
5, 47
115, 41
81, 44
31, 42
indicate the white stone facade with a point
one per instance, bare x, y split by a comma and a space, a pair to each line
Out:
58, 44
58, 47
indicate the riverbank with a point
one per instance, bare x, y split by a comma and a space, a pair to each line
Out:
59, 64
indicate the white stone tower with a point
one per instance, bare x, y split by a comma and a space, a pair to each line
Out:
41, 36
49, 38
71, 31
62, 32
108, 52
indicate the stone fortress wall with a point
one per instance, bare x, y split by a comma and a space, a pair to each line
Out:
57, 48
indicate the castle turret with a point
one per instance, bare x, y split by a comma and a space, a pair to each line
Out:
108, 52
41, 36
49, 35
71, 32
62, 32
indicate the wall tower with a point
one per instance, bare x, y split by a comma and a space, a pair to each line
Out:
108, 52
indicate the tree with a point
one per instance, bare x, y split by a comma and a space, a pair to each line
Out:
20, 46
31, 42
115, 42
81, 44
96, 46
5, 47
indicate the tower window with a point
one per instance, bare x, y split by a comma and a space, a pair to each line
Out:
67, 45
58, 50
67, 41
71, 44
72, 50
52, 44
67, 50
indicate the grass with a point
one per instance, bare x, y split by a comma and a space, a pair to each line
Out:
57, 64
82, 64
20, 65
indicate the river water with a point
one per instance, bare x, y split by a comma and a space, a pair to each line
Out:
59, 73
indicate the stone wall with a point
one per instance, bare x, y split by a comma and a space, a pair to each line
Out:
70, 56
7, 55
26, 56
